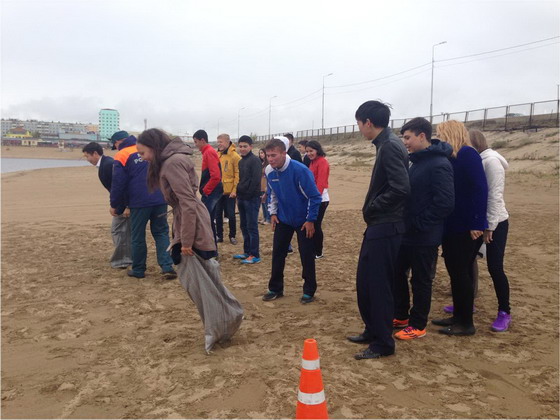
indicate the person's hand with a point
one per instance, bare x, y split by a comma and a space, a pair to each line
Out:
488, 236
273, 221
126, 212
113, 212
187, 250
309, 229
232, 194
475, 234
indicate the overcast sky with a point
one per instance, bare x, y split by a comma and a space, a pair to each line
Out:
186, 65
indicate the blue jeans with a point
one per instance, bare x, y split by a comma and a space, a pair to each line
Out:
210, 202
249, 224
139, 217
266, 214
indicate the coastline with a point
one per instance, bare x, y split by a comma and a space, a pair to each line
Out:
23, 152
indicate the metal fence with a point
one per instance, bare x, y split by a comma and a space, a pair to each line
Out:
543, 114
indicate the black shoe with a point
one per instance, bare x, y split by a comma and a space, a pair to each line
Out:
233, 241
370, 354
131, 273
220, 240
169, 275
444, 322
271, 296
359, 339
457, 329
306, 299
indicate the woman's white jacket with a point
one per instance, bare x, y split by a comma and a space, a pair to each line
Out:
494, 167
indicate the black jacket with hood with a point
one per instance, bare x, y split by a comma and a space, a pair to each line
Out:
432, 194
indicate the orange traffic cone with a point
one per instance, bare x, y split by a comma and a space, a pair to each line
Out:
311, 396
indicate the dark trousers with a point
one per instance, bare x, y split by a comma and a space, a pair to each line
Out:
420, 260
249, 224
157, 216
495, 251
210, 201
226, 205
282, 236
459, 252
318, 237
374, 283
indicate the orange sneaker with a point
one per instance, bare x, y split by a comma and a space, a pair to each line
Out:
400, 323
410, 333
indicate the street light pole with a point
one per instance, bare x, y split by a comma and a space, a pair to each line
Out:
270, 113
432, 85
240, 109
323, 105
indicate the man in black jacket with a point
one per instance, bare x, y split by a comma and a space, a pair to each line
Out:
292, 151
248, 200
120, 228
383, 213
431, 200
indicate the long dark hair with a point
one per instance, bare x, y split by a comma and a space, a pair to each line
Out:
265, 160
156, 140
316, 146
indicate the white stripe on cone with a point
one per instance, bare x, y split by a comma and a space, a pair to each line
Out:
311, 399
310, 364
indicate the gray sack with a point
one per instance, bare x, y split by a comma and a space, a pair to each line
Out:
221, 313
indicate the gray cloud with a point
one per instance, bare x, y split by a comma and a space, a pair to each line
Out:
185, 65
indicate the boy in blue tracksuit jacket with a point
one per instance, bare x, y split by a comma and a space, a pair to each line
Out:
294, 206
129, 185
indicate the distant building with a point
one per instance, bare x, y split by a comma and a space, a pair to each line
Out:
78, 136
30, 142
92, 128
45, 128
108, 123
19, 133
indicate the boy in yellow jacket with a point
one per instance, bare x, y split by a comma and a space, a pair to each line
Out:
229, 161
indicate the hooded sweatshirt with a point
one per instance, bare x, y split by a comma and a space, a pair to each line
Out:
432, 195
178, 183
494, 166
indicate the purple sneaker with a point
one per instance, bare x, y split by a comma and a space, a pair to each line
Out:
449, 309
502, 322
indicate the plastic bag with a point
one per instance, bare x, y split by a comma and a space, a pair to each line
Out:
220, 311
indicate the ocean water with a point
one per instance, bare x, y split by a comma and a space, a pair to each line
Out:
17, 164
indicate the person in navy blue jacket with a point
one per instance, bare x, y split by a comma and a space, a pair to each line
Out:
294, 207
431, 200
130, 186
464, 228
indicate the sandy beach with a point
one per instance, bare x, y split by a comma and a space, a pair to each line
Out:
82, 340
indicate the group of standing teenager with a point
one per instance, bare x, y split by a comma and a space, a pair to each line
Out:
425, 193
